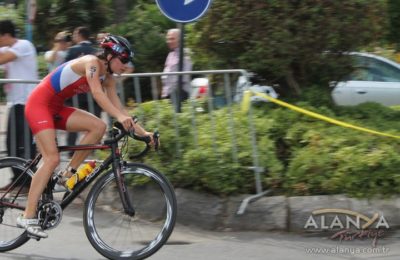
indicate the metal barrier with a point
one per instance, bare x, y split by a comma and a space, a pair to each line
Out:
228, 93
228, 96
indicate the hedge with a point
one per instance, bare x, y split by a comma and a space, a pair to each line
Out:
300, 155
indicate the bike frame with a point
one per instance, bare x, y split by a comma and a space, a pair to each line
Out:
114, 159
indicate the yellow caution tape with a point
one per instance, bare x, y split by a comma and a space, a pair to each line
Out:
246, 105
396, 107
246, 100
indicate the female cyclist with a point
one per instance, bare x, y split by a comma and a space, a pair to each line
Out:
45, 112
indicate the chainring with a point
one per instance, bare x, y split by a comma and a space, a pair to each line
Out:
49, 214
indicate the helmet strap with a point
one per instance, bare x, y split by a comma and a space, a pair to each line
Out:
108, 65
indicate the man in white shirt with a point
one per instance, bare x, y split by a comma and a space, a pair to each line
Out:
20, 62
170, 82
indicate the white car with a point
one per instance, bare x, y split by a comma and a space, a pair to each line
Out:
374, 79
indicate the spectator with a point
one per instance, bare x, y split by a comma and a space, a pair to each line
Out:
56, 56
101, 36
83, 46
20, 62
170, 82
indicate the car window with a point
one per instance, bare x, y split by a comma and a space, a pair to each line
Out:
370, 69
360, 74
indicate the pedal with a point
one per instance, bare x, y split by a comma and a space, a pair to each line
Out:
33, 237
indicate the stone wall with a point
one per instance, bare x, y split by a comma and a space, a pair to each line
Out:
275, 212
268, 213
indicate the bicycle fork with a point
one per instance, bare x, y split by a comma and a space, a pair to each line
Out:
122, 190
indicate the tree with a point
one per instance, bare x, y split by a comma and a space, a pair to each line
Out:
57, 15
285, 41
9, 12
394, 22
145, 28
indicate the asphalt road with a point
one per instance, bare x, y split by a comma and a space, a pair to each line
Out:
68, 241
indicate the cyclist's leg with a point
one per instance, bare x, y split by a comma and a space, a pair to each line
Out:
94, 128
46, 142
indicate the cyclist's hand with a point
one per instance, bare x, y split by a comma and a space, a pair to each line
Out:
127, 122
153, 141
150, 134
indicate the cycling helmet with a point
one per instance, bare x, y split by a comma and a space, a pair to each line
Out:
119, 47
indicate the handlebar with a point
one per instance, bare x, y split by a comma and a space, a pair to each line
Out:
145, 139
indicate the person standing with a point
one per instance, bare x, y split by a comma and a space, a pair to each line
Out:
83, 46
56, 56
170, 82
20, 62
100, 37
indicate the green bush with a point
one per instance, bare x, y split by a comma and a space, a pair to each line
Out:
335, 162
300, 155
201, 157
329, 159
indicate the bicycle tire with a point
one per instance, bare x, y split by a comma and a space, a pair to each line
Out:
11, 236
144, 234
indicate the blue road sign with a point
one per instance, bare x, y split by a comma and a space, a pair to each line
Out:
183, 11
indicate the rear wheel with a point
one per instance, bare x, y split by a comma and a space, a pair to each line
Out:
115, 234
13, 198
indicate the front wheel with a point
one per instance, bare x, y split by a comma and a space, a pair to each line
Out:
117, 235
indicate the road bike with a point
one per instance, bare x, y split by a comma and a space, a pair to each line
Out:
129, 213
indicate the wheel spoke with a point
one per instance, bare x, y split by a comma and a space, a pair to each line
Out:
12, 202
131, 237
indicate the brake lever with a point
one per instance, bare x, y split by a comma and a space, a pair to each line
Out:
156, 137
131, 132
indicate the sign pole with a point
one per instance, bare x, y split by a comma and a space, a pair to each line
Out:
28, 25
30, 17
181, 12
180, 90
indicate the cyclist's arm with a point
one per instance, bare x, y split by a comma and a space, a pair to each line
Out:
92, 74
111, 88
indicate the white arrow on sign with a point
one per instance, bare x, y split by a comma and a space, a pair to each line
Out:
187, 2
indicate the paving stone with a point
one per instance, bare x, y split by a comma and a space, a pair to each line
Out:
264, 214
300, 208
199, 209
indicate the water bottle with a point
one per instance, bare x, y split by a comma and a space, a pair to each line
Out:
82, 172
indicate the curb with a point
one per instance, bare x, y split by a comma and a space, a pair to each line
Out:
275, 213
279, 213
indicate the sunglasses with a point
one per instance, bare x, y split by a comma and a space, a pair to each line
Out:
124, 60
